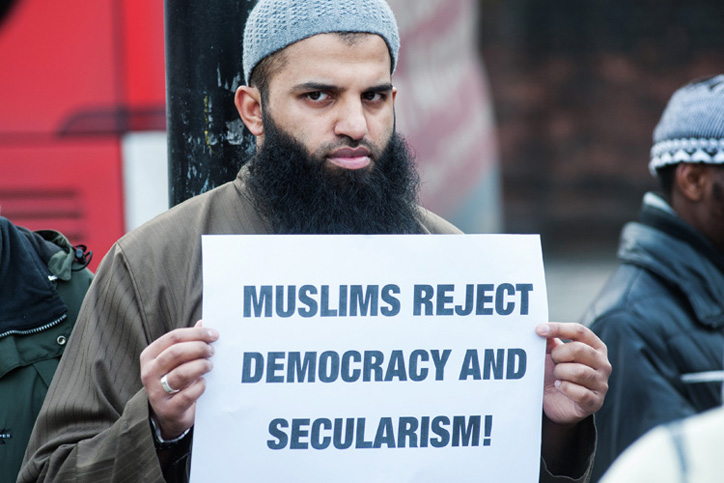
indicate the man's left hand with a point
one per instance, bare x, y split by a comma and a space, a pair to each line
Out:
576, 373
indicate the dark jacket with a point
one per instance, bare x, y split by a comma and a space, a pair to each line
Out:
40, 296
662, 317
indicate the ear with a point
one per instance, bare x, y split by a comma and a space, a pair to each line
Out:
691, 181
248, 103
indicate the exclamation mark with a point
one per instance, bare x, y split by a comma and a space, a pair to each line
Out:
488, 429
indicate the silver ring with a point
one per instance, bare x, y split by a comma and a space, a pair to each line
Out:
165, 385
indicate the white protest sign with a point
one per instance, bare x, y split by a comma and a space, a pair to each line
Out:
372, 358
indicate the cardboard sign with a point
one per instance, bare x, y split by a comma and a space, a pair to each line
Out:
372, 358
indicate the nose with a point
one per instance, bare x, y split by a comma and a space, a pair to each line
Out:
351, 121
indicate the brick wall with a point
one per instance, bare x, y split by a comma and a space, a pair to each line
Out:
578, 88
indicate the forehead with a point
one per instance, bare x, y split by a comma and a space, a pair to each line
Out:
334, 58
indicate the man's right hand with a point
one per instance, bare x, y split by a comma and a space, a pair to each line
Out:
182, 356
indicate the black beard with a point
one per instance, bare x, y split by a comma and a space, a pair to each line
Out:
297, 194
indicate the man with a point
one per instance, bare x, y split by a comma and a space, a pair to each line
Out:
43, 280
328, 160
662, 312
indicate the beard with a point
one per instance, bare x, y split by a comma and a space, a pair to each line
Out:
298, 194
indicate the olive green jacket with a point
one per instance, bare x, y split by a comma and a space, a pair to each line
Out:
42, 291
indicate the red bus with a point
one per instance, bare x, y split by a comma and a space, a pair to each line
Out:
82, 117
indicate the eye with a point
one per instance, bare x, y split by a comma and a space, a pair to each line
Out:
374, 96
317, 96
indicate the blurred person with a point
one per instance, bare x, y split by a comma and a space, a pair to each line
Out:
43, 280
684, 451
661, 314
319, 99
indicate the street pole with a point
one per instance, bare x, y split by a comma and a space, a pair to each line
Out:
207, 142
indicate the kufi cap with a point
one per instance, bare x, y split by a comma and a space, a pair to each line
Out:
691, 129
275, 24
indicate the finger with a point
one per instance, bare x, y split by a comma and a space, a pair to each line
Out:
191, 393
570, 331
588, 401
580, 353
551, 345
174, 407
181, 353
173, 357
186, 374
581, 375
196, 333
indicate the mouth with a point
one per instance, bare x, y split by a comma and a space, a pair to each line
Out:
350, 158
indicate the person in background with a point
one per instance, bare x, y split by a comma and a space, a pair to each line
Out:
684, 451
661, 314
43, 280
320, 100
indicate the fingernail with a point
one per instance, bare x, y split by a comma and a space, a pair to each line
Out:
213, 334
543, 329
557, 384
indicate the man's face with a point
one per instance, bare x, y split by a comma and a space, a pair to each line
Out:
328, 159
715, 200
334, 96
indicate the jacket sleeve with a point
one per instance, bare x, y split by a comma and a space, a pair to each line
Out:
581, 460
94, 425
644, 386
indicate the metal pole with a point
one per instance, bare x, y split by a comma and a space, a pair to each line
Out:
207, 142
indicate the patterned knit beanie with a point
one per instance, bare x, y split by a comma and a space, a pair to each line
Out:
691, 130
275, 24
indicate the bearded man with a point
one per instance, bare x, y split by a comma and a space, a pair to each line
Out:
320, 100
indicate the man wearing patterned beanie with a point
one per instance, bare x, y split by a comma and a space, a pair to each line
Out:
320, 101
662, 312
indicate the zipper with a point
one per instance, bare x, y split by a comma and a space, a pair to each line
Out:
36, 329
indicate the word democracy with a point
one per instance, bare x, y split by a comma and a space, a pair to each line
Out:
372, 300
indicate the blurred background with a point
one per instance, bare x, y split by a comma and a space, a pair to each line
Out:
526, 116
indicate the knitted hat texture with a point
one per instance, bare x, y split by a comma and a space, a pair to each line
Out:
275, 24
691, 129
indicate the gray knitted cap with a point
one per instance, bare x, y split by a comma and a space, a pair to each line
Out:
691, 129
275, 24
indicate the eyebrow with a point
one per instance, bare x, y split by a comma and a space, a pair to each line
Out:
320, 86
381, 88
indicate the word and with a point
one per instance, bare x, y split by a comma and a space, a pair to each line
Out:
494, 363
408, 432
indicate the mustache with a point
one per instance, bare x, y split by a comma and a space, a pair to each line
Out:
345, 143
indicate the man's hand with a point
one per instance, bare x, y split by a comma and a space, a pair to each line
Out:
576, 373
181, 355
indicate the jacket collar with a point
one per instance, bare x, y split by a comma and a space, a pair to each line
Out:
663, 244
657, 214
28, 298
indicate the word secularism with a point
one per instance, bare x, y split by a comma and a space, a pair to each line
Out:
372, 300
409, 432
